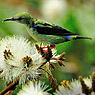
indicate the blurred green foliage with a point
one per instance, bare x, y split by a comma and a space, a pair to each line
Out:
78, 18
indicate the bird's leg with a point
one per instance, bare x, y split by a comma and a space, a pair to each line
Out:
52, 46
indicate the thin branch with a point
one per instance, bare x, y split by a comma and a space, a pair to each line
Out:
9, 87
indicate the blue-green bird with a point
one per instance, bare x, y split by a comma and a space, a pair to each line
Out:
43, 31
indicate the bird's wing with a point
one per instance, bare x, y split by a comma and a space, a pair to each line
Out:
52, 30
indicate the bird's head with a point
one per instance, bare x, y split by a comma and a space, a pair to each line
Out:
23, 18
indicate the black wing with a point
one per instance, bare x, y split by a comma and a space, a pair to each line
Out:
52, 30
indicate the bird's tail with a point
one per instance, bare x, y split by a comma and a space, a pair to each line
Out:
82, 37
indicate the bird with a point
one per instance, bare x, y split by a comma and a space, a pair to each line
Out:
44, 31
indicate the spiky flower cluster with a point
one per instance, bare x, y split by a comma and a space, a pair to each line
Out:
85, 86
20, 59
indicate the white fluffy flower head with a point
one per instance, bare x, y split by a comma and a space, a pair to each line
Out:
19, 59
34, 88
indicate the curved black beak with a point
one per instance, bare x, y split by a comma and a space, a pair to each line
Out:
10, 19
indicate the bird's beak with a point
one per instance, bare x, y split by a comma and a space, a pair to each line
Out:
10, 19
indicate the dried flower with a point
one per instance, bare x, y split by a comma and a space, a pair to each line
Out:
59, 59
53, 82
34, 88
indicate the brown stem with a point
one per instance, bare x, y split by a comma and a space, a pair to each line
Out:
9, 87
42, 65
61, 55
54, 58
